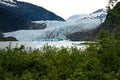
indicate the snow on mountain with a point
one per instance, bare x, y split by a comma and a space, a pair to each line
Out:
102, 11
76, 16
10, 3
57, 30
98, 14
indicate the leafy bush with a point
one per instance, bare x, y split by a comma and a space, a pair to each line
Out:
100, 61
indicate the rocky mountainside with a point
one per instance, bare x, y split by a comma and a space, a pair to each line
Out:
29, 11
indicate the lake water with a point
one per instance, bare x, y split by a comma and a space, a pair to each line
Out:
38, 45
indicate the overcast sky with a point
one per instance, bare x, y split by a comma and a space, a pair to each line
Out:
67, 8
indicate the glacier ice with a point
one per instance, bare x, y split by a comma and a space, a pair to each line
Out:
57, 30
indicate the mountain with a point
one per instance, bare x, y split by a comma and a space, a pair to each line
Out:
77, 16
29, 11
111, 24
88, 35
60, 30
10, 21
98, 14
2, 38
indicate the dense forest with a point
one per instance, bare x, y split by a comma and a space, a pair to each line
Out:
99, 61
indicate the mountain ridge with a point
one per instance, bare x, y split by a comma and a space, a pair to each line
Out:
100, 13
29, 11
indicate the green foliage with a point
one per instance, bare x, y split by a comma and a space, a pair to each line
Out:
100, 61
111, 3
113, 18
110, 58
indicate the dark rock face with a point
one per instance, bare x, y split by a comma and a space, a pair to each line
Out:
1, 35
32, 12
111, 24
2, 38
82, 36
8, 39
10, 21
35, 26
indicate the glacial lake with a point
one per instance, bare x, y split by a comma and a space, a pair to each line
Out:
40, 44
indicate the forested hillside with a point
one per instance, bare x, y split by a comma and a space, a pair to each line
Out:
10, 21
29, 11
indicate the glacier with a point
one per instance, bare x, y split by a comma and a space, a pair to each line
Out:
58, 30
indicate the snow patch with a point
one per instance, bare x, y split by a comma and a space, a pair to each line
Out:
10, 3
